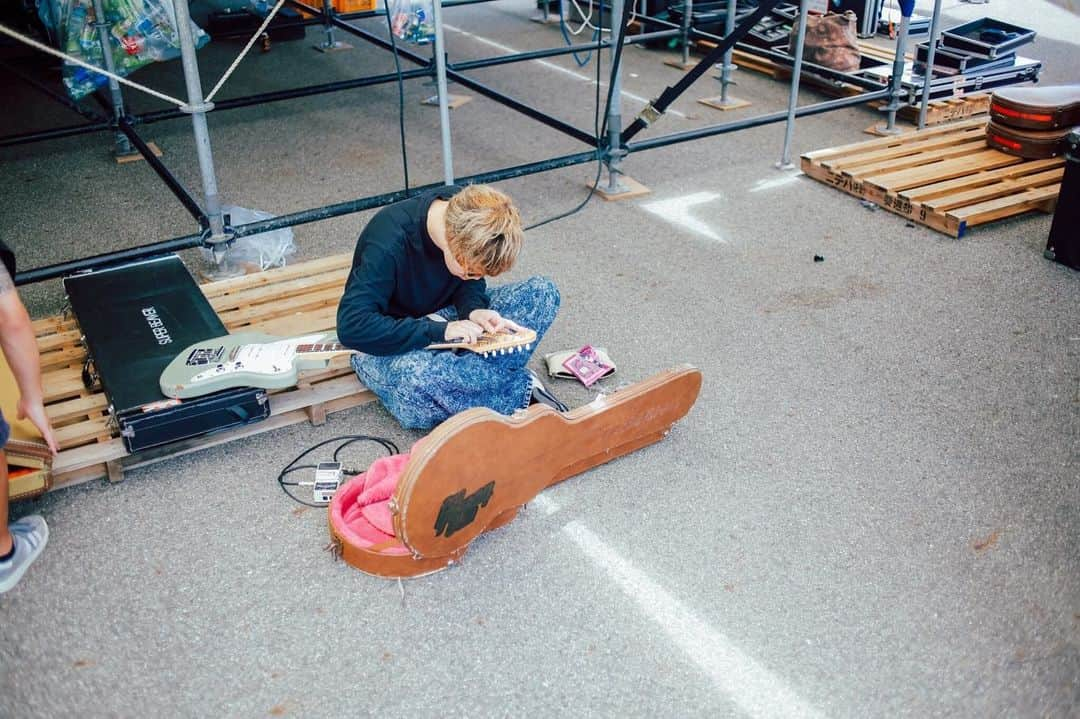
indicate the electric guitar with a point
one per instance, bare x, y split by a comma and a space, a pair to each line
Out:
252, 359
490, 344
247, 359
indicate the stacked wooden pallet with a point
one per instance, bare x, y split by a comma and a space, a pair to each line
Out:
943, 177
287, 301
948, 109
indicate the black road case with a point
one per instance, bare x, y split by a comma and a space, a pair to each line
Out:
986, 37
1064, 243
135, 318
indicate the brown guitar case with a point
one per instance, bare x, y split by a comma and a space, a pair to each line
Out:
1029, 144
1053, 107
476, 470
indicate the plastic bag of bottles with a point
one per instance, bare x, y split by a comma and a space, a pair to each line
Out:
140, 32
413, 20
255, 253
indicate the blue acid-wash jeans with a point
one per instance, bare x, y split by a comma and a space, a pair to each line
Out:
423, 388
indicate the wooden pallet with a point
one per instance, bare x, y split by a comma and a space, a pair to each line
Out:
943, 177
949, 109
291, 300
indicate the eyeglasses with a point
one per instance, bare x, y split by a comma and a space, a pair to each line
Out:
468, 273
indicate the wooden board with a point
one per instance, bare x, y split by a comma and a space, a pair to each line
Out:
286, 301
943, 177
938, 112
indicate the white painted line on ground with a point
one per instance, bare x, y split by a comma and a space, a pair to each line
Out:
553, 66
545, 505
677, 212
775, 182
757, 691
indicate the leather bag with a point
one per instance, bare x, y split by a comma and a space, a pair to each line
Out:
831, 41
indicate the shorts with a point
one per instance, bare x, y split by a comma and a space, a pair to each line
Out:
5, 431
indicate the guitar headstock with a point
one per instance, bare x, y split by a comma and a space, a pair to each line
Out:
493, 343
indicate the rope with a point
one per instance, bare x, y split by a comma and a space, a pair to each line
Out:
586, 22
74, 60
240, 57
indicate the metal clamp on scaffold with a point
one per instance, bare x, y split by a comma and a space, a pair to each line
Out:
218, 244
192, 109
614, 155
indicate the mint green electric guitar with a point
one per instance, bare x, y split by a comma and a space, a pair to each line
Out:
247, 359
252, 359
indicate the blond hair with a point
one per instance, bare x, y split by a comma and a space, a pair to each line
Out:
483, 229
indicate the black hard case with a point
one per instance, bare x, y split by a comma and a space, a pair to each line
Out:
1063, 244
976, 37
953, 62
135, 318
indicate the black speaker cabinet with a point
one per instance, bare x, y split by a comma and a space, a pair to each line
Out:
1064, 243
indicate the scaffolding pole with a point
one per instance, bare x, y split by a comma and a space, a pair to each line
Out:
123, 147
444, 105
616, 151
688, 13
928, 73
725, 69
618, 141
198, 109
793, 97
907, 7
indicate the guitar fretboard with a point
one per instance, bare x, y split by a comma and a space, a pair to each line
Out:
321, 347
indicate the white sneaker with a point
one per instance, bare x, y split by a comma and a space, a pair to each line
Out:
542, 395
30, 535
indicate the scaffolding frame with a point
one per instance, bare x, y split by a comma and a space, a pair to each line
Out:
611, 150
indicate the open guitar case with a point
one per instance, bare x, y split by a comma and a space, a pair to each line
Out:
475, 471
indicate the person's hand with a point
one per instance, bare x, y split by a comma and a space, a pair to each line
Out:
492, 321
35, 412
464, 330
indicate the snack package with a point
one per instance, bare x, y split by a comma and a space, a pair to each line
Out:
586, 365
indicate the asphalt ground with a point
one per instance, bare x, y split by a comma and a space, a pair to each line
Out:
872, 510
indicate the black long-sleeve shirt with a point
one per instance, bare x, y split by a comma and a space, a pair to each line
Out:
398, 276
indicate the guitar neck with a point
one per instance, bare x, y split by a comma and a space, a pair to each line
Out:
322, 347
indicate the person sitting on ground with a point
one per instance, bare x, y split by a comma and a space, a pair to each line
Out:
417, 278
22, 541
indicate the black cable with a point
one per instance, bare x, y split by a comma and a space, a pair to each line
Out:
401, 100
566, 38
592, 190
387, 444
291, 467
599, 129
